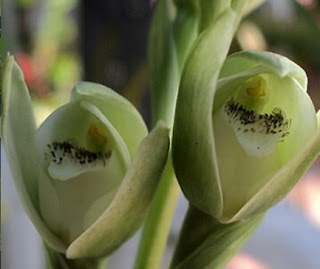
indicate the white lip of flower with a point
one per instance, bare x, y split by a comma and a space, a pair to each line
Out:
257, 133
65, 159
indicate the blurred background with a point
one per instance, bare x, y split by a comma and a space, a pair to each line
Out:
57, 43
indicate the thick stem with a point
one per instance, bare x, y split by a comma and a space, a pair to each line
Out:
56, 260
210, 10
168, 47
206, 243
158, 222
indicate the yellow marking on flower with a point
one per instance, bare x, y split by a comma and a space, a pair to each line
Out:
98, 134
253, 94
257, 88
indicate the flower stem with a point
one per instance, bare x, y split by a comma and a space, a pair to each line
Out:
169, 44
158, 222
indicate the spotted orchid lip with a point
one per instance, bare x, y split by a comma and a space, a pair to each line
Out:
257, 133
67, 160
62, 151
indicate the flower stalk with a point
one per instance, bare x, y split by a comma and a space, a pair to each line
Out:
169, 42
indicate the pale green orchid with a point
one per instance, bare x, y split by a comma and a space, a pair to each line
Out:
245, 132
87, 175
259, 136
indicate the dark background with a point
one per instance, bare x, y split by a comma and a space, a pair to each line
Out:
58, 43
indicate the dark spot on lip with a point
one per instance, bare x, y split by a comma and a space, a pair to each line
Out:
61, 151
272, 123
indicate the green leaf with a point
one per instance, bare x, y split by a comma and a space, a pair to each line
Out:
130, 205
18, 130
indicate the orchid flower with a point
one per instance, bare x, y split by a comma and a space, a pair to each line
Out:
260, 135
87, 175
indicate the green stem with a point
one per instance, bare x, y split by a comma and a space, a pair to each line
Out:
210, 10
157, 225
169, 44
56, 260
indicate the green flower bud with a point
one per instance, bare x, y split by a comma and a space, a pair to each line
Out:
263, 132
88, 174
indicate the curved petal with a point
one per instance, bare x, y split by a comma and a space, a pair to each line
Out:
284, 180
240, 66
119, 111
18, 130
280, 65
193, 143
132, 200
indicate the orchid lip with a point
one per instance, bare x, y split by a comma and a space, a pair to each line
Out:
61, 151
257, 133
64, 156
